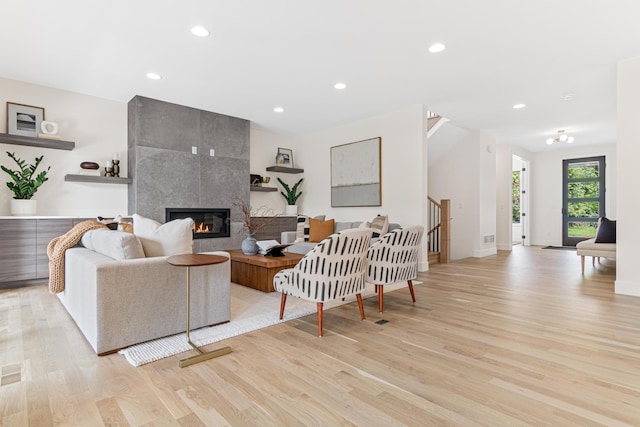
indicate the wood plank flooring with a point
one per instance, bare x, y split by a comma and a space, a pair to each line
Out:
520, 338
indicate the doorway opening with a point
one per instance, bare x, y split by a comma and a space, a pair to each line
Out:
519, 201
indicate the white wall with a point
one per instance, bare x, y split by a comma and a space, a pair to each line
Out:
455, 177
546, 189
503, 197
97, 126
486, 156
628, 204
403, 164
466, 175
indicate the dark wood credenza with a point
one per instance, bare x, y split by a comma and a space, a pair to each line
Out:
23, 248
275, 226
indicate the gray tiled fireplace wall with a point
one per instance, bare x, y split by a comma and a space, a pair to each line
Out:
166, 174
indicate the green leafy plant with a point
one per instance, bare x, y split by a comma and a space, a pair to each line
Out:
24, 184
292, 194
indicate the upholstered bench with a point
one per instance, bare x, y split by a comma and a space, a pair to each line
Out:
603, 245
595, 250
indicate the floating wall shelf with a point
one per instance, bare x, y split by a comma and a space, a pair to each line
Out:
283, 169
98, 179
36, 142
263, 189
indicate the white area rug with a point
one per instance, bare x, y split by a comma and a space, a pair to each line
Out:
250, 310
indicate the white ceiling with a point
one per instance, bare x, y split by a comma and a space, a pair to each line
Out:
263, 54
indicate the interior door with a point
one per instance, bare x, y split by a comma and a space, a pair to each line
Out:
583, 198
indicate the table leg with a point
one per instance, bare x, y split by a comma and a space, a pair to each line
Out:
202, 355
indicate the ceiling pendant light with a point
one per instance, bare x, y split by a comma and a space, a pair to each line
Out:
561, 137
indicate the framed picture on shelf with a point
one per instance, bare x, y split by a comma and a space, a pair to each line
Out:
284, 157
24, 120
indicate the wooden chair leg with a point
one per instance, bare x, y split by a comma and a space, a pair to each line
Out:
380, 298
359, 297
582, 263
283, 301
319, 319
413, 296
593, 261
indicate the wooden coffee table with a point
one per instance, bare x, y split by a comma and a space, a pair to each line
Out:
257, 271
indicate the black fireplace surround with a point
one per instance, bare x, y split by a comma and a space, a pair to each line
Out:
209, 223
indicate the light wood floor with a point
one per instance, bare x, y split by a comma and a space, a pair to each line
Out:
519, 338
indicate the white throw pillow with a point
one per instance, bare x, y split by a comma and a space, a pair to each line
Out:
114, 244
172, 238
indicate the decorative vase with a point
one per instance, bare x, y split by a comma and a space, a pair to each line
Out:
23, 207
291, 210
249, 245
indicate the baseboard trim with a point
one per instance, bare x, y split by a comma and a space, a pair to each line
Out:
627, 288
481, 253
504, 246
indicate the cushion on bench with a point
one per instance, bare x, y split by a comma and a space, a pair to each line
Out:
591, 248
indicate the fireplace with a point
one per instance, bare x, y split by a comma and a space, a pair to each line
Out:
209, 223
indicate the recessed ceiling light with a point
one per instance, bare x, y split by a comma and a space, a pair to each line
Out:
199, 31
154, 76
278, 109
436, 48
519, 106
340, 86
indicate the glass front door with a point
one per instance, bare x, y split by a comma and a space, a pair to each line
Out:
583, 198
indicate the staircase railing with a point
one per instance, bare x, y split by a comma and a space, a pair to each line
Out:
439, 232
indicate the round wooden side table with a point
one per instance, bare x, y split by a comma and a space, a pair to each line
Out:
196, 260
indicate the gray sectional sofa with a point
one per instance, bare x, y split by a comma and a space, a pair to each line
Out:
289, 237
120, 302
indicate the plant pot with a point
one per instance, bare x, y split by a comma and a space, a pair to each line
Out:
249, 245
23, 207
292, 210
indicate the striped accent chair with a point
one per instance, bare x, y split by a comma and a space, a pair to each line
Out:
335, 268
394, 258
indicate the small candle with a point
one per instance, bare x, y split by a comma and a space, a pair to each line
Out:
115, 156
109, 163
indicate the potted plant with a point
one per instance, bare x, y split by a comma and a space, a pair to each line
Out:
24, 184
250, 225
291, 196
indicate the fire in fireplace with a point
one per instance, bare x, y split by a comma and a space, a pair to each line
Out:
209, 223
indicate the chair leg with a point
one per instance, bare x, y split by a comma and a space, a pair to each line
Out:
283, 301
380, 298
413, 296
319, 319
582, 263
593, 261
359, 297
